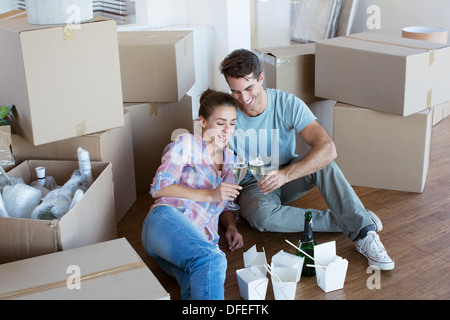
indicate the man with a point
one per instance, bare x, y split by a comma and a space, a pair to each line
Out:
267, 121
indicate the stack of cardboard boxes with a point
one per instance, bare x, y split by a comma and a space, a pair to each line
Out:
120, 96
65, 86
389, 92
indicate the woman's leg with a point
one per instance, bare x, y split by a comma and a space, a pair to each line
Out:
184, 253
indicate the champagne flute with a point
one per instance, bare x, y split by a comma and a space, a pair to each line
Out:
239, 170
258, 171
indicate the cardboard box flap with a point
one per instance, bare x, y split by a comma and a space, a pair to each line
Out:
24, 237
94, 202
282, 54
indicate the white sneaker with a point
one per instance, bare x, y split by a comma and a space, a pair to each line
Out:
376, 221
372, 248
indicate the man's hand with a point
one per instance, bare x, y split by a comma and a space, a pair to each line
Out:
234, 239
272, 180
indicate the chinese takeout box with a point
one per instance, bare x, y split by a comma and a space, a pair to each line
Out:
285, 287
288, 260
331, 275
254, 258
252, 283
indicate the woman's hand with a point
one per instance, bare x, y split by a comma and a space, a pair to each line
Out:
225, 192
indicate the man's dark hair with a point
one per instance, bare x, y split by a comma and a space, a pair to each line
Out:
240, 64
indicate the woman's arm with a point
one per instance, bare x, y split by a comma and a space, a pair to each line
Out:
224, 192
234, 238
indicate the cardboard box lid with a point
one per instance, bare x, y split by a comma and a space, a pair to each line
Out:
282, 53
355, 69
107, 270
143, 38
383, 44
21, 24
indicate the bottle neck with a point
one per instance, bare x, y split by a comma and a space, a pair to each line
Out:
308, 235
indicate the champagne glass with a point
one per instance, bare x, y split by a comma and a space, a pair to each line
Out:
239, 170
258, 171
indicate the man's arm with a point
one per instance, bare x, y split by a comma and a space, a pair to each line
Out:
234, 238
322, 152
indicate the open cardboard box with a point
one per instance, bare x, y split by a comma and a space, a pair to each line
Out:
332, 276
91, 220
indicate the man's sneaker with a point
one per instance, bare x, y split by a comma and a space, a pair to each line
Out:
372, 248
376, 221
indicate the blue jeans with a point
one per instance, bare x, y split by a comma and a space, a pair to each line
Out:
183, 252
346, 213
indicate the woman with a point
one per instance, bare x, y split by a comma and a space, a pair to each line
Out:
192, 187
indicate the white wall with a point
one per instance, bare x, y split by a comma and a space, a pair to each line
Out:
271, 19
397, 14
232, 28
7, 5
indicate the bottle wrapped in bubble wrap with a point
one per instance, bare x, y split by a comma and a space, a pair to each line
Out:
59, 201
84, 162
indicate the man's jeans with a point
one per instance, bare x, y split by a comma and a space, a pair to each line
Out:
345, 211
184, 253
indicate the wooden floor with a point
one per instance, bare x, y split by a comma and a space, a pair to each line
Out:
416, 234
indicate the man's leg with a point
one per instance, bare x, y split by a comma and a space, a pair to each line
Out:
341, 199
273, 215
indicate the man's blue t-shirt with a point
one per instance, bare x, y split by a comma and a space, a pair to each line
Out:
271, 135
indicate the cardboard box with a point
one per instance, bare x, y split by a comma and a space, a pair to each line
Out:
291, 69
154, 125
6, 157
92, 219
156, 66
390, 74
113, 145
323, 110
440, 112
110, 270
380, 150
332, 276
62, 84
13, 14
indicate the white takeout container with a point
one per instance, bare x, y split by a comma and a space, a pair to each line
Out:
252, 283
288, 260
332, 276
254, 258
287, 287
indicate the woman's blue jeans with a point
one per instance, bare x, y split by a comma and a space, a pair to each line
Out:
183, 252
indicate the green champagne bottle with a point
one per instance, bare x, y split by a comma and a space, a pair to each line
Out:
307, 244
